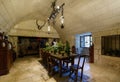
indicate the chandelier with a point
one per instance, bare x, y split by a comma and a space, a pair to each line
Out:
51, 19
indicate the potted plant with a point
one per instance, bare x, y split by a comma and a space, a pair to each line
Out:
110, 51
60, 46
67, 48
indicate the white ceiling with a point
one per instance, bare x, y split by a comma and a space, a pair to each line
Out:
80, 15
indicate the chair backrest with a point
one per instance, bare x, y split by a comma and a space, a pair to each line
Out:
81, 61
49, 59
73, 49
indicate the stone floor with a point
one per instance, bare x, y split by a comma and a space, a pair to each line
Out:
28, 69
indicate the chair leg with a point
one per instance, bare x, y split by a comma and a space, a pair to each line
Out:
71, 72
63, 63
76, 73
48, 68
81, 75
51, 71
67, 65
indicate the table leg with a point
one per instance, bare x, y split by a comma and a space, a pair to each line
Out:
72, 61
60, 65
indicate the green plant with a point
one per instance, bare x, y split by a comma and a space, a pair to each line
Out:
55, 49
117, 52
110, 51
60, 46
67, 48
49, 48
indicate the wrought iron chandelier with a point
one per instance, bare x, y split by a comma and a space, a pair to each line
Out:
55, 11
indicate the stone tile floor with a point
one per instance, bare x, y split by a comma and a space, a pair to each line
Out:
28, 69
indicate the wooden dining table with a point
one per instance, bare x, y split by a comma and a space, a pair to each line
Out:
61, 58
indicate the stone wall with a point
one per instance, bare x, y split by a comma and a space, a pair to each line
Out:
14, 40
100, 59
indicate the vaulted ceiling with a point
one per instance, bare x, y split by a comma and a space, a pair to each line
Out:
80, 15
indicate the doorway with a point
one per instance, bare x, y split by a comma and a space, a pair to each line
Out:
84, 44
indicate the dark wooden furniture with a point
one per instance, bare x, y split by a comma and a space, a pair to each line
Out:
6, 55
91, 53
52, 63
75, 67
3, 58
6, 59
73, 49
44, 56
61, 58
68, 61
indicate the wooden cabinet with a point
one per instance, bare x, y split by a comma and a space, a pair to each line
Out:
6, 59
3, 58
3, 62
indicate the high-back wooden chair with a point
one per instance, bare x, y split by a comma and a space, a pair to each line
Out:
51, 63
69, 61
79, 66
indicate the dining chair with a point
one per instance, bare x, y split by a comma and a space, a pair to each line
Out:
66, 65
51, 64
43, 56
69, 60
78, 66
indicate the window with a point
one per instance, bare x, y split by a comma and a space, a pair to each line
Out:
85, 41
110, 45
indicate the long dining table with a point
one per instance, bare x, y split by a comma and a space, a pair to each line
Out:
61, 58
